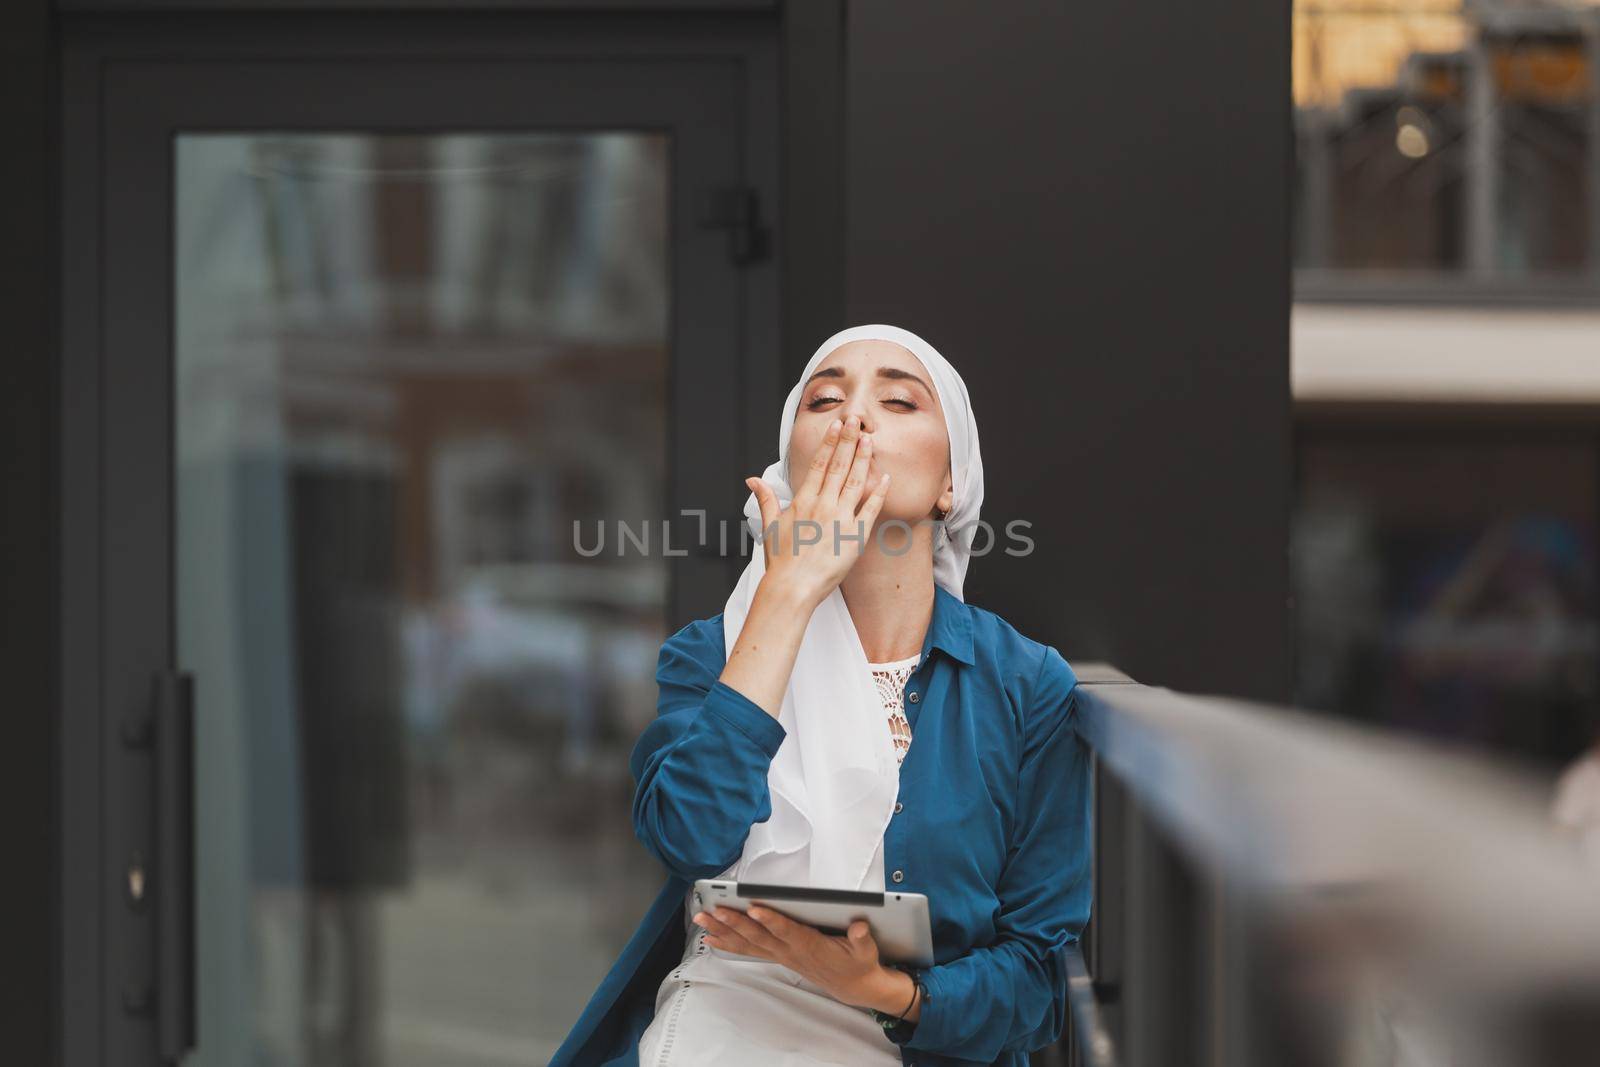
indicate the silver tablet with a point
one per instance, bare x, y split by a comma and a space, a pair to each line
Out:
898, 921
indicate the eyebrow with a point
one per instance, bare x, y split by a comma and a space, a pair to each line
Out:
883, 372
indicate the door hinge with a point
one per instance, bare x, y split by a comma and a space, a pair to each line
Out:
737, 209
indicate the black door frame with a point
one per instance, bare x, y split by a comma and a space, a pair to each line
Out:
127, 84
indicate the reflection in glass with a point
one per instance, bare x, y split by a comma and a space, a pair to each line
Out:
1447, 587
405, 366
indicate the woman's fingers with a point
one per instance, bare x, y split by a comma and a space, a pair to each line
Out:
780, 925
740, 933
826, 504
860, 939
819, 464
752, 932
844, 454
728, 938
766, 500
856, 479
874, 502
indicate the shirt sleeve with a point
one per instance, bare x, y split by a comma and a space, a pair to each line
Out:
1012, 993
701, 767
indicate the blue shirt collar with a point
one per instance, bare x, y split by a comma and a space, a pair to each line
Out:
950, 629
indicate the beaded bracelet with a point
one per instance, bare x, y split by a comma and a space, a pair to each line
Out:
890, 1022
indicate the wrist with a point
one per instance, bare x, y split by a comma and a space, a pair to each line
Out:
789, 594
889, 991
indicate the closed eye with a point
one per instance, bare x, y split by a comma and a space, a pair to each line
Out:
817, 402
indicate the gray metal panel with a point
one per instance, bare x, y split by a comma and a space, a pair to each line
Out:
1311, 813
1256, 866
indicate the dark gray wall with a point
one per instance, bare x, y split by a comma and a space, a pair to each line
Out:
811, 234
27, 526
1085, 208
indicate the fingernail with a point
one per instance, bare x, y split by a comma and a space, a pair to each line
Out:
834, 425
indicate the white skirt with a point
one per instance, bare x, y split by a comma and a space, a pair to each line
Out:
719, 1009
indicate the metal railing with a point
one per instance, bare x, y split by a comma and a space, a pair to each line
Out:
1279, 889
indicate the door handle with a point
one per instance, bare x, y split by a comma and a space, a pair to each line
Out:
174, 888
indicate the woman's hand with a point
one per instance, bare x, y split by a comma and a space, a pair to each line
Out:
812, 544
847, 967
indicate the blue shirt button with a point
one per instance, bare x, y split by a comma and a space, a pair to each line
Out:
899, 876
898, 807
913, 697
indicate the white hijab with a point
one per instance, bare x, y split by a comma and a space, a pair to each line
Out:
834, 780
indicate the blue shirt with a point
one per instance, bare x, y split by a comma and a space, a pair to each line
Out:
993, 826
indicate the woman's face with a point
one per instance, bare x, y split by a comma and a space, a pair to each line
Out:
889, 389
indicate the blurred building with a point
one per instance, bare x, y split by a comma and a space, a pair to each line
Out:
1447, 301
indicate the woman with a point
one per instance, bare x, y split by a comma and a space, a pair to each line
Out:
783, 752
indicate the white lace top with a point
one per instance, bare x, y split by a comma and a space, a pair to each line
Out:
891, 678
717, 1009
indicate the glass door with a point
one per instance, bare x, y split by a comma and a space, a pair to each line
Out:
354, 479
407, 365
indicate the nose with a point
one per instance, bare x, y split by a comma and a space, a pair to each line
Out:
860, 409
